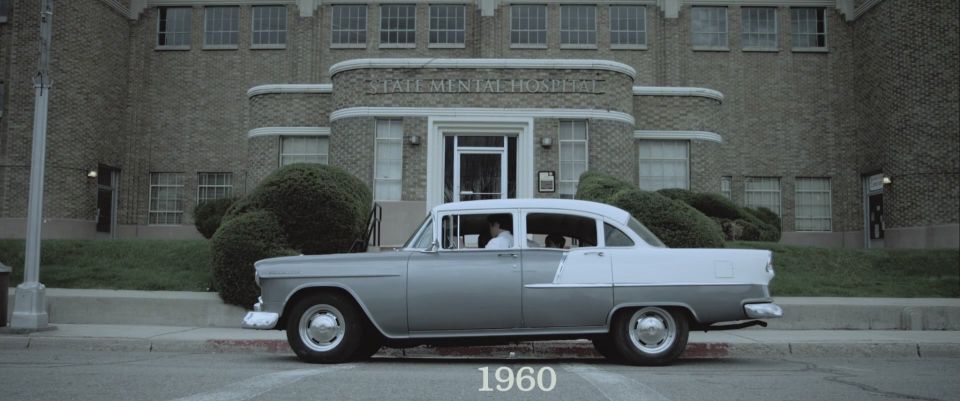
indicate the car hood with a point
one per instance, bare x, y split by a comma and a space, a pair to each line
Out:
334, 265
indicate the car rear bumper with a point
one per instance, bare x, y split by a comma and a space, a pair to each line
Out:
763, 311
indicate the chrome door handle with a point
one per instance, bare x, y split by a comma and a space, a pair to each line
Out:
512, 255
598, 253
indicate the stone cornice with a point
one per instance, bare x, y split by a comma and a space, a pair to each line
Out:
288, 131
487, 63
480, 112
677, 91
679, 135
289, 88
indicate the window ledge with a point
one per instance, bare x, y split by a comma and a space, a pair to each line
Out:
3, 19
711, 48
171, 48
446, 46
628, 47
578, 47
268, 47
810, 50
221, 47
760, 50
348, 45
527, 46
397, 46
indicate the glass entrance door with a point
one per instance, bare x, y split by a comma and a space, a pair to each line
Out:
479, 167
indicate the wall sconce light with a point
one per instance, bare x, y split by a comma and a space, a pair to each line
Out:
92, 174
886, 180
546, 142
413, 140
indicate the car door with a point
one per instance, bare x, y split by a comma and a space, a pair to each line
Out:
462, 286
569, 286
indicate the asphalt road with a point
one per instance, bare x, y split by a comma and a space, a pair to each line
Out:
99, 376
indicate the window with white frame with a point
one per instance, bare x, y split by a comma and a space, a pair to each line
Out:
173, 26
709, 26
304, 149
762, 192
573, 156
212, 186
221, 26
388, 171
758, 28
447, 24
349, 24
663, 164
528, 25
813, 205
628, 26
578, 25
166, 198
726, 184
398, 25
808, 27
4, 10
269, 26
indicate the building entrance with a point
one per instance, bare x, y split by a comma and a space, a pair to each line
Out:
479, 167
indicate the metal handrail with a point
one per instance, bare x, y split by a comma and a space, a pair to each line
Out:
372, 231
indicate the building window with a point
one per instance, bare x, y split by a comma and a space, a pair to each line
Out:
578, 26
398, 25
349, 26
269, 27
528, 25
726, 183
173, 27
221, 27
813, 211
709, 27
212, 186
389, 156
664, 164
763, 192
628, 26
759, 28
447, 24
809, 28
304, 149
166, 198
4, 10
573, 156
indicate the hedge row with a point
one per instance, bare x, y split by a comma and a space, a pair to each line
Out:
738, 223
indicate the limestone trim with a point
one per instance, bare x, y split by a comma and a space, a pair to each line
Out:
480, 112
289, 88
486, 63
677, 91
288, 131
679, 135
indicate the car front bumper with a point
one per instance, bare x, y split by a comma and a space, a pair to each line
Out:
259, 320
763, 311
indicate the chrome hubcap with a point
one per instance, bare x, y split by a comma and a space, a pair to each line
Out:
321, 327
652, 330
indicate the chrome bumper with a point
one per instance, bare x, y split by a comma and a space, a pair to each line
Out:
260, 320
763, 311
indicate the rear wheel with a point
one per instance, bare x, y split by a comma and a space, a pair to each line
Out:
650, 335
325, 328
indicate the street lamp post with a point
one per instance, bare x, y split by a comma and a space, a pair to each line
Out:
30, 303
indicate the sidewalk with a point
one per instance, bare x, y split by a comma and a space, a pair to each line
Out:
728, 344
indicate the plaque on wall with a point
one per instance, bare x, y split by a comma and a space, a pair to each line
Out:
546, 182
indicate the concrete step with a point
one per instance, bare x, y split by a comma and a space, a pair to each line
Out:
205, 309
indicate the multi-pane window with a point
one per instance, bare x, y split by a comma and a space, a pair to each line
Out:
304, 149
214, 186
4, 10
709, 26
664, 164
389, 158
578, 26
221, 26
809, 27
813, 211
398, 25
628, 26
759, 27
528, 25
762, 192
349, 24
726, 184
269, 26
573, 156
173, 27
447, 24
166, 198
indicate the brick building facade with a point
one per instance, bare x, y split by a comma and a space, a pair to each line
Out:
842, 115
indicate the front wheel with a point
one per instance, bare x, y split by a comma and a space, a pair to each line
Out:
325, 328
650, 335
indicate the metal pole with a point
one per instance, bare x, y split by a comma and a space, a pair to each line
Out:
30, 303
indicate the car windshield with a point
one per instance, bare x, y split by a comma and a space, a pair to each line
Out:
645, 233
428, 232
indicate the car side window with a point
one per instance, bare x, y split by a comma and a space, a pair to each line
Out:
615, 237
426, 236
560, 231
477, 231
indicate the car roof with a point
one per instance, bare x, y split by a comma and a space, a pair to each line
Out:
610, 212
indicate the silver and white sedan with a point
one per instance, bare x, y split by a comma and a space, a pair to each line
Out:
509, 270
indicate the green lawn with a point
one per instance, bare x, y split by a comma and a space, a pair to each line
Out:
174, 265
183, 265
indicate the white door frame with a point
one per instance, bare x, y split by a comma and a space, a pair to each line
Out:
439, 127
502, 151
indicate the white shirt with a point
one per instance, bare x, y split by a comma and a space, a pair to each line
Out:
501, 241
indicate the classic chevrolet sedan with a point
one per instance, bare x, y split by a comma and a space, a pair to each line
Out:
509, 270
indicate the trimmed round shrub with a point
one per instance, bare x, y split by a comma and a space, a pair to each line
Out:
715, 205
208, 214
322, 209
682, 195
676, 224
768, 216
239, 243
766, 221
748, 231
599, 187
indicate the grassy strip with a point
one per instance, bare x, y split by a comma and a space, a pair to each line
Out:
171, 265
813, 271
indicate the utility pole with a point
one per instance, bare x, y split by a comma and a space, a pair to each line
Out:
30, 303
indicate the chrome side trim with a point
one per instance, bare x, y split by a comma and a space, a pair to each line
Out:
675, 284
763, 311
552, 285
260, 320
508, 332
